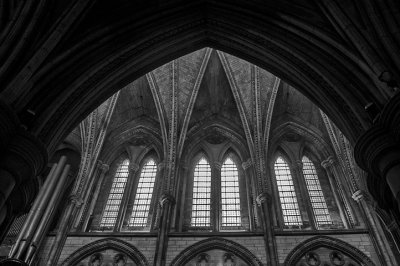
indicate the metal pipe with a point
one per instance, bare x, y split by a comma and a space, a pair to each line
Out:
14, 248
47, 216
37, 212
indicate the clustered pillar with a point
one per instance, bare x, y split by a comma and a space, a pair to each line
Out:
264, 201
167, 202
378, 152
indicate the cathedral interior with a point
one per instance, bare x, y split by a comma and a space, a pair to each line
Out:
199, 133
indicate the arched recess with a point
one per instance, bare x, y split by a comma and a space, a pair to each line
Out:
103, 244
215, 243
328, 242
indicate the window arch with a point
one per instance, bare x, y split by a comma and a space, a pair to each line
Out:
320, 209
230, 198
114, 200
143, 196
201, 201
287, 193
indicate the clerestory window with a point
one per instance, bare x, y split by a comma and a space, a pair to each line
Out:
287, 193
226, 203
112, 207
143, 196
320, 209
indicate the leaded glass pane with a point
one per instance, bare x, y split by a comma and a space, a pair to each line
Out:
230, 198
144, 193
115, 197
287, 194
201, 194
317, 199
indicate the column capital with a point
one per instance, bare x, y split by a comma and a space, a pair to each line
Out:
217, 165
76, 200
161, 165
263, 197
247, 164
103, 167
298, 165
166, 199
328, 163
133, 167
359, 195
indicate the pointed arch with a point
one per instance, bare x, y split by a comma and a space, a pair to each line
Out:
216, 243
328, 242
103, 244
201, 196
287, 193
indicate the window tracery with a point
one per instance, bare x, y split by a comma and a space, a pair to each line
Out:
201, 202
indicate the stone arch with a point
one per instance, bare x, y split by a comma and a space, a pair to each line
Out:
215, 243
329, 242
107, 243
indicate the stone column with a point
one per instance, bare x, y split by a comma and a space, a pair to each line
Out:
103, 168
328, 165
248, 174
216, 195
23, 158
264, 202
133, 169
65, 225
377, 151
166, 204
385, 259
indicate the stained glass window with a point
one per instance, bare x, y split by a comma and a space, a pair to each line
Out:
144, 192
230, 198
287, 194
115, 197
318, 202
201, 194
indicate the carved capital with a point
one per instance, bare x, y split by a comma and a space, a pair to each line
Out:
76, 200
247, 164
133, 167
161, 165
166, 199
217, 165
328, 163
359, 195
263, 197
103, 167
298, 165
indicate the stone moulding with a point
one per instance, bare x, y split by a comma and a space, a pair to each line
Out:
106, 243
215, 243
328, 242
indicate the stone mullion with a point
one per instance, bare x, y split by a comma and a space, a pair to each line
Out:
247, 167
103, 171
133, 170
298, 175
328, 165
360, 197
216, 196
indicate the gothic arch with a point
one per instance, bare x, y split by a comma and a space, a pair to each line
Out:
107, 243
215, 243
329, 242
